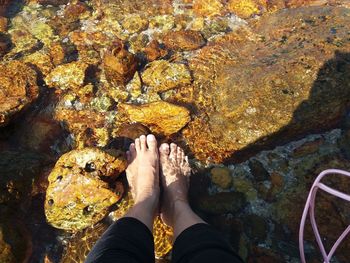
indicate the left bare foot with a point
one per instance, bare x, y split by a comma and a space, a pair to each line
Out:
143, 171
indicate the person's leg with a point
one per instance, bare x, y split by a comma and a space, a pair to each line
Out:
130, 238
195, 240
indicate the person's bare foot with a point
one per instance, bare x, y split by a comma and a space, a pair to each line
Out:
143, 171
175, 172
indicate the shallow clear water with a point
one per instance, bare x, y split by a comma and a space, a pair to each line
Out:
257, 92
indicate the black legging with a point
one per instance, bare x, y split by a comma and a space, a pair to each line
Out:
129, 240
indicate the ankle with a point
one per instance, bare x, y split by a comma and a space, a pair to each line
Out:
180, 206
148, 202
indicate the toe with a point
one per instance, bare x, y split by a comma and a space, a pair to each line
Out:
164, 150
128, 156
131, 153
137, 145
143, 143
182, 156
173, 151
132, 149
179, 155
151, 142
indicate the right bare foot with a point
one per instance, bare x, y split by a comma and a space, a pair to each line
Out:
174, 175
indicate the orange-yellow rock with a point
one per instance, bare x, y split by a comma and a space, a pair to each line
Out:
258, 89
119, 64
160, 117
77, 196
68, 76
41, 61
208, 8
57, 53
161, 75
18, 88
184, 40
90, 128
246, 8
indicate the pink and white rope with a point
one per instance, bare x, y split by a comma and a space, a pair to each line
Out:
310, 209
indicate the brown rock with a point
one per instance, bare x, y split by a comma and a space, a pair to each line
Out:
162, 75
73, 11
154, 51
3, 6
3, 24
273, 99
40, 134
67, 76
119, 64
18, 88
5, 44
160, 117
184, 40
57, 53
77, 196
131, 131
307, 148
51, 2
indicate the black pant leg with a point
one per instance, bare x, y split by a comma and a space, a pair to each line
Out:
201, 243
126, 241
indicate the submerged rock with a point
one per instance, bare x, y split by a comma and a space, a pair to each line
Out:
266, 89
77, 195
221, 176
160, 117
18, 88
208, 8
162, 75
135, 23
3, 24
41, 61
119, 64
184, 40
67, 76
80, 245
5, 44
222, 203
15, 241
246, 8
154, 51
20, 172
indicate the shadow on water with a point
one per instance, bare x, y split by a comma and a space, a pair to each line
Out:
329, 96
326, 108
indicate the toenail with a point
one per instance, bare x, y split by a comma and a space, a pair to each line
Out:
151, 137
165, 146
